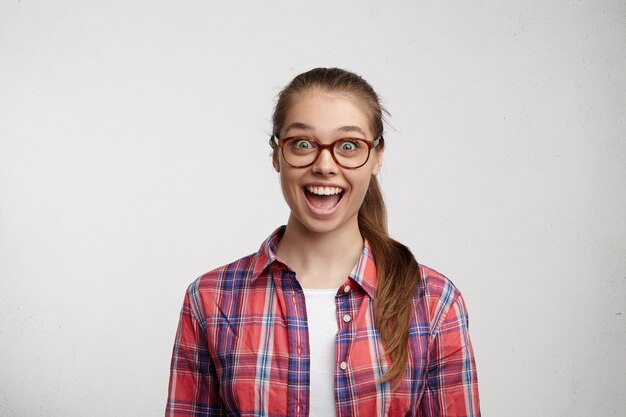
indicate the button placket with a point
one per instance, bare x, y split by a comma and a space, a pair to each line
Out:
296, 314
344, 314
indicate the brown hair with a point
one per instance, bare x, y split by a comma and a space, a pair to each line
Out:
397, 269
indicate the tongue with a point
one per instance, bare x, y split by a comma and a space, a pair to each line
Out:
323, 202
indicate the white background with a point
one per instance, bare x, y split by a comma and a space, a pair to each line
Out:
134, 157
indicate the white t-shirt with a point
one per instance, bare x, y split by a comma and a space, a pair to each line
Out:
322, 319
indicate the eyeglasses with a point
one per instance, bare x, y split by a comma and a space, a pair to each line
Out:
303, 151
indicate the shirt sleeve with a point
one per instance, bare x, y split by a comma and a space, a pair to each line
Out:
452, 384
193, 385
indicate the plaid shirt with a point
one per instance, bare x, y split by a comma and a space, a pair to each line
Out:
242, 346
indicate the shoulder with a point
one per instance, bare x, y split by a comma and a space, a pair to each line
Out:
225, 279
435, 285
225, 287
436, 295
219, 284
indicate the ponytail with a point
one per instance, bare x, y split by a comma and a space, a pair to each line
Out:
397, 279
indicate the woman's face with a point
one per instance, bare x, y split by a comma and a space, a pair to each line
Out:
325, 197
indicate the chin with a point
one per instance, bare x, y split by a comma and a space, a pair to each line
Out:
326, 226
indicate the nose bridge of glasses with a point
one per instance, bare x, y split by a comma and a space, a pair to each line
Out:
331, 153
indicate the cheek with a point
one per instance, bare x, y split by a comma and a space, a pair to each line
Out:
288, 181
359, 187
362, 182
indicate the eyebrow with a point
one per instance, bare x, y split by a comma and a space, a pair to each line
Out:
350, 129
304, 126
298, 125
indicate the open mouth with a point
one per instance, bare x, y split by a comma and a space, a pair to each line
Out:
323, 198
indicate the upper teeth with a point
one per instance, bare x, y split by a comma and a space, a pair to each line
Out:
324, 190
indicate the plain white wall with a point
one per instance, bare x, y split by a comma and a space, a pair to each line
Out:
134, 157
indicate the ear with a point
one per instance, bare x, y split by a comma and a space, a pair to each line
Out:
275, 161
378, 161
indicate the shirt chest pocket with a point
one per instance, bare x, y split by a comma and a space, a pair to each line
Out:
250, 360
366, 365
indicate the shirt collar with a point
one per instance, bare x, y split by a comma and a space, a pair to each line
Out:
363, 273
267, 252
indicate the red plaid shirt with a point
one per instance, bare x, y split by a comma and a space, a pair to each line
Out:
242, 346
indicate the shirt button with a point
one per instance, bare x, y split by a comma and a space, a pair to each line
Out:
299, 350
343, 366
298, 409
347, 318
346, 288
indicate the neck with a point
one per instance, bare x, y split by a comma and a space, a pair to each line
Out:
320, 260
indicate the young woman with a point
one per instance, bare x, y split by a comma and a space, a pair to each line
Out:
331, 316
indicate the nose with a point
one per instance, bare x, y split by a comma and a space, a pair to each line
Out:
325, 163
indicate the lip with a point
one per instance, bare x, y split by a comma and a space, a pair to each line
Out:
322, 184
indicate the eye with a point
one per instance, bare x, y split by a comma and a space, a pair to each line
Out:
303, 144
348, 145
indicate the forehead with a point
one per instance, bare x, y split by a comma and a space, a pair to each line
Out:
325, 111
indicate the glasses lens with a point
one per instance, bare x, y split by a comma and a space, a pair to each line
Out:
351, 153
299, 152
